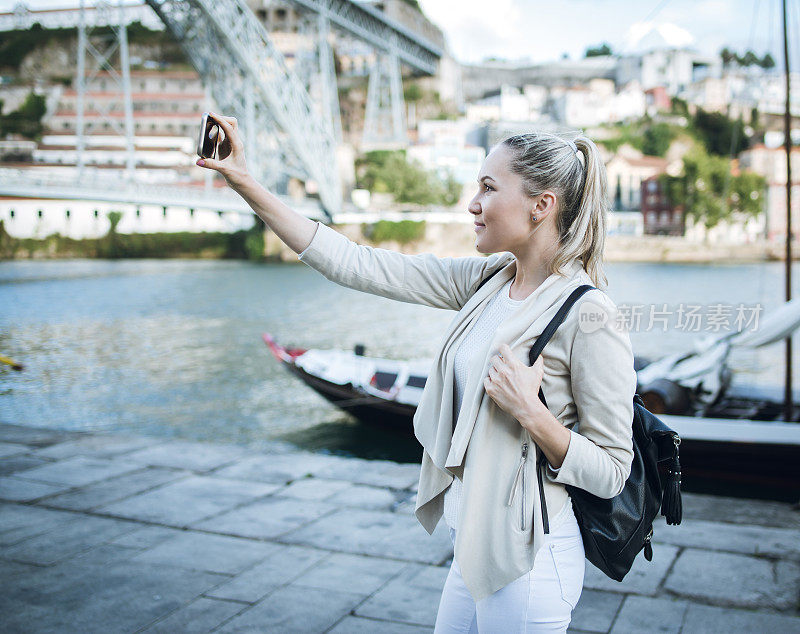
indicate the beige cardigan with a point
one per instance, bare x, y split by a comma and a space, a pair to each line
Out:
588, 379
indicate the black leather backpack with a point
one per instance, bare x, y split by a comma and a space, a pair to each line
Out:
615, 530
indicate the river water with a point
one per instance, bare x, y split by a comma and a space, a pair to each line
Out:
173, 348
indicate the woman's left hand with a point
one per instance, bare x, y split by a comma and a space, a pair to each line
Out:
514, 386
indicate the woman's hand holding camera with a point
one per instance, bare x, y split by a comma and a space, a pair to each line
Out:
230, 151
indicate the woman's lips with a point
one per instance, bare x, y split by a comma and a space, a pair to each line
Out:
479, 226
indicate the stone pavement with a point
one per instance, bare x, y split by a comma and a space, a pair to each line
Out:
109, 533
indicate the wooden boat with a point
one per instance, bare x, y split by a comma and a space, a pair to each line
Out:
738, 441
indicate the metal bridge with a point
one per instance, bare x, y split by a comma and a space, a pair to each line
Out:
287, 133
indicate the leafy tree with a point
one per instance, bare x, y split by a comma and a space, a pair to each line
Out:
412, 93
27, 119
708, 191
388, 171
598, 51
718, 133
657, 139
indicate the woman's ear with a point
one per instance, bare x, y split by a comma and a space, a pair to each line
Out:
543, 205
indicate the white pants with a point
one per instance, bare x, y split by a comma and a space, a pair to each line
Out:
541, 600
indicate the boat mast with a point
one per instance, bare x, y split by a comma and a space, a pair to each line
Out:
787, 127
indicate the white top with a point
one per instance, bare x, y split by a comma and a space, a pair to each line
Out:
488, 321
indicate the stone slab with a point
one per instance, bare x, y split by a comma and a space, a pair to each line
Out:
278, 468
381, 534
19, 522
268, 518
364, 496
187, 501
19, 463
357, 573
211, 553
119, 597
381, 473
360, 625
648, 614
200, 616
35, 436
411, 597
78, 471
96, 446
107, 491
184, 454
313, 488
733, 580
15, 489
294, 610
706, 619
596, 610
739, 510
146, 537
282, 565
644, 577
11, 449
73, 536
740, 538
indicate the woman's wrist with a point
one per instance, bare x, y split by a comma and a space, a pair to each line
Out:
535, 416
240, 181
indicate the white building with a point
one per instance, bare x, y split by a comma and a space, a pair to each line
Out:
31, 218
663, 57
443, 147
597, 102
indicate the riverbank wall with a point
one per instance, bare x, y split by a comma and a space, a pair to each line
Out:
457, 240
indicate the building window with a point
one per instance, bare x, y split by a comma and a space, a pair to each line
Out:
138, 212
96, 213
10, 213
67, 212
40, 213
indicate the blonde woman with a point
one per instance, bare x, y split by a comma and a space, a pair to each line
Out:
540, 221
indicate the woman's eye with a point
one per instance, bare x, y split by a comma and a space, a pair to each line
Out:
487, 187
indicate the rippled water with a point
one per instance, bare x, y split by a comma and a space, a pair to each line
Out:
173, 348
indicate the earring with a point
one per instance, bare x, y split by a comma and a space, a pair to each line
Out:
533, 218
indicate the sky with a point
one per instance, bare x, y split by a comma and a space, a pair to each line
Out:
538, 31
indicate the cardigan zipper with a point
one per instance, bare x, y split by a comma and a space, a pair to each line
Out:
520, 475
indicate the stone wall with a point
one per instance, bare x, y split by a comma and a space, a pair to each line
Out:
456, 239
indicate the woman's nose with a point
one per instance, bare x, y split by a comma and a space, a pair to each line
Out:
474, 207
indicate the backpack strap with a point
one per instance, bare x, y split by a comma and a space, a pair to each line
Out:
555, 322
536, 350
488, 277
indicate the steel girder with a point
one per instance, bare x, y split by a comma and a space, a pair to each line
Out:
109, 45
382, 33
249, 78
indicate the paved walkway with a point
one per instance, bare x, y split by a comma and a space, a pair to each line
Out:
102, 533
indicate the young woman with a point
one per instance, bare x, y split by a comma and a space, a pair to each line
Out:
540, 221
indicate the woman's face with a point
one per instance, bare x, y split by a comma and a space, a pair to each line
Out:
501, 208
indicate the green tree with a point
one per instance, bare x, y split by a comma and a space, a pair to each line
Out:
657, 139
598, 51
708, 191
27, 119
721, 135
388, 171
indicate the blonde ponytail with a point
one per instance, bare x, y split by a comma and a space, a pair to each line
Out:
550, 162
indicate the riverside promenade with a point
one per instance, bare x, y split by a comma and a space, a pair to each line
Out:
110, 533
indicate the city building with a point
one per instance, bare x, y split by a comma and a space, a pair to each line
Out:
770, 162
658, 215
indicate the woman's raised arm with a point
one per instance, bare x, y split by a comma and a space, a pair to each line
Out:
418, 279
294, 229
